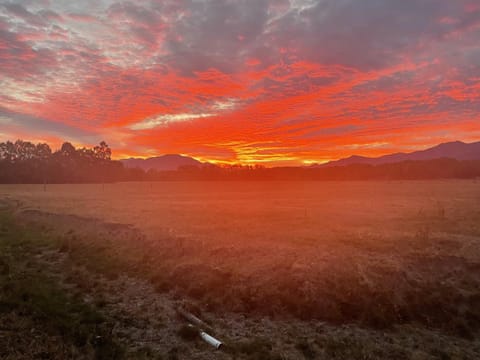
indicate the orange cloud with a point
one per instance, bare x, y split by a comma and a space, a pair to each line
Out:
276, 84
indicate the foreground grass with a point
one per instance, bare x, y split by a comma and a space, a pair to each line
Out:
60, 324
377, 283
426, 309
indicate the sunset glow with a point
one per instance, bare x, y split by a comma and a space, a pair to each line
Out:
271, 82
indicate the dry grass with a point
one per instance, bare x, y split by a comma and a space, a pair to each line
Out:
375, 254
253, 212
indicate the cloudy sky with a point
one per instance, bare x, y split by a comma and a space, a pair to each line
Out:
250, 81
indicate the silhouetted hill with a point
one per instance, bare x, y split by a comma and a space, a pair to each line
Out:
169, 162
25, 162
457, 150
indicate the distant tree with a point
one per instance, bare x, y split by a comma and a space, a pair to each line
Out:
7, 151
24, 150
102, 151
102, 155
86, 154
43, 154
43, 151
67, 150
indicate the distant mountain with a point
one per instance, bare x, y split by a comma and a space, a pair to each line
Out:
169, 162
454, 150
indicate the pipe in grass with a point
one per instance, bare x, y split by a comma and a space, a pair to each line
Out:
217, 344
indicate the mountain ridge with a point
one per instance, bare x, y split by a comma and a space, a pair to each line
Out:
167, 162
458, 150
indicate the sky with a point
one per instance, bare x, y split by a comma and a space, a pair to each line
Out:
271, 82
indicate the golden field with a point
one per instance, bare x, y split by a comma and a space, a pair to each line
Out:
367, 259
251, 212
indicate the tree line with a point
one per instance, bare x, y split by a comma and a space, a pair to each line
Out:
443, 168
25, 162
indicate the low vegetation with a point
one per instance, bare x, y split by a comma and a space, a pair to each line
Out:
410, 290
436, 289
35, 309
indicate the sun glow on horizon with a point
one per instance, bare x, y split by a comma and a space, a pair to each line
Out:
279, 83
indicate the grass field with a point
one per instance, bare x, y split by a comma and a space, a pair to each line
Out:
360, 270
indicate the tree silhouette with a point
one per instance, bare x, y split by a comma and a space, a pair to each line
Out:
102, 151
43, 154
67, 150
24, 162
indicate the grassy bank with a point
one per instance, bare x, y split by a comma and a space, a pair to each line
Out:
35, 310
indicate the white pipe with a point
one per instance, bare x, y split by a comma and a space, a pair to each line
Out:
211, 340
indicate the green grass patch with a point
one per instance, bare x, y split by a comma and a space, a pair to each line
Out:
27, 290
